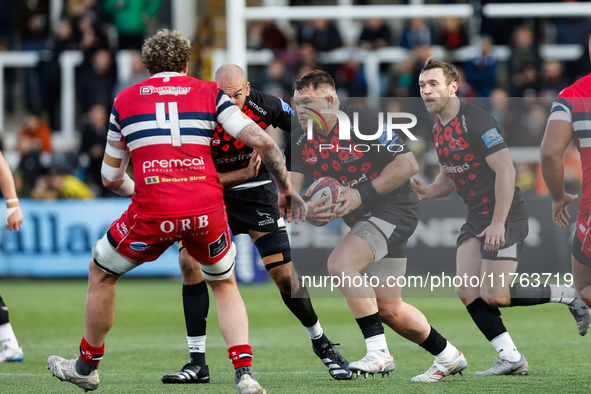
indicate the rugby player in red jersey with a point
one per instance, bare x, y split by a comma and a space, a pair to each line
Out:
570, 119
251, 204
165, 125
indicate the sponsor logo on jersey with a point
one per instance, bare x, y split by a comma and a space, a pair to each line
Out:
226, 160
152, 180
268, 218
139, 246
165, 90
159, 165
257, 107
456, 169
492, 137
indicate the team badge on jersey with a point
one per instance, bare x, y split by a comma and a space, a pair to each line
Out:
492, 137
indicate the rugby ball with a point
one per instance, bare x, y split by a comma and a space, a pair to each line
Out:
323, 187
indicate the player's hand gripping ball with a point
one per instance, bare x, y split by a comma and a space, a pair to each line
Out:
323, 187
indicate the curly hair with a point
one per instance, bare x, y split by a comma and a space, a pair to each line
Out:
449, 70
313, 79
166, 51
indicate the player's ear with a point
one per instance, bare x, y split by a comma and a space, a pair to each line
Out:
247, 88
186, 70
329, 100
454, 87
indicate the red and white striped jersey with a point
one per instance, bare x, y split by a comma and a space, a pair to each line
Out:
167, 122
574, 105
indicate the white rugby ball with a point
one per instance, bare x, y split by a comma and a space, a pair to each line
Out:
323, 187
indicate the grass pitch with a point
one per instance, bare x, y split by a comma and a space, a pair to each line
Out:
148, 340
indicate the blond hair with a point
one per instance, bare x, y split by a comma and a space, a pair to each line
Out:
166, 51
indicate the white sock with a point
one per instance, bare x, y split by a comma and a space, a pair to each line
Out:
196, 344
315, 331
377, 342
7, 336
507, 350
562, 293
448, 354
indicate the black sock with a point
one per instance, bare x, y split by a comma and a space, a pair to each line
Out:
529, 295
238, 372
371, 325
318, 342
487, 318
435, 343
83, 368
299, 304
196, 308
3, 312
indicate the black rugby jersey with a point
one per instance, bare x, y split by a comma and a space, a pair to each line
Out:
462, 147
228, 153
352, 162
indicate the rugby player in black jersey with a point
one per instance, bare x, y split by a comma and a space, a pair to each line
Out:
381, 208
475, 161
251, 205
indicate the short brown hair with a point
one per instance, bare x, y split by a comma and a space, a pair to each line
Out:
313, 79
449, 70
166, 51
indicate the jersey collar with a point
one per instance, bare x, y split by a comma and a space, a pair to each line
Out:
167, 74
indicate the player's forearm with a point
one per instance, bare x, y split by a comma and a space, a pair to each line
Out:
396, 173
553, 173
253, 136
442, 186
504, 191
6, 180
273, 160
233, 178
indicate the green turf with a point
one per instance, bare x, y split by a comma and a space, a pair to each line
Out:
148, 340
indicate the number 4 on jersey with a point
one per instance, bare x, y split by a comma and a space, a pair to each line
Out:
173, 123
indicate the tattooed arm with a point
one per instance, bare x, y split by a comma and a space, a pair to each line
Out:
255, 137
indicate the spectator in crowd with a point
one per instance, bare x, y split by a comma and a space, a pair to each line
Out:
376, 34
129, 18
321, 34
451, 34
464, 88
500, 109
525, 61
138, 74
481, 72
50, 70
95, 86
552, 80
572, 30
90, 38
60, 183
92, 149
266, 35
530, 129
38, 131
417, 33
30, 19
7, 44
29, 168
307, 58
277, 80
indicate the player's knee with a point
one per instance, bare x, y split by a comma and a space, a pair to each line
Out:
495, 302
282, 277
189, 266
274, 249
389, 310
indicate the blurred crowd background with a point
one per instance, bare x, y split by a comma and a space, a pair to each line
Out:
101, 28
